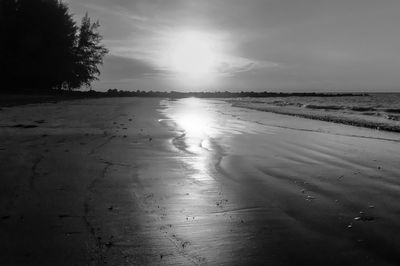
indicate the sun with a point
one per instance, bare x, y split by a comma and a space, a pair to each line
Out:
193, 54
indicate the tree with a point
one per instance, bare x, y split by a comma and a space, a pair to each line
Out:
89, 54
42, 48
8, 35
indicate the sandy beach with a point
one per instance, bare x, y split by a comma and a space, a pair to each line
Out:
149, 181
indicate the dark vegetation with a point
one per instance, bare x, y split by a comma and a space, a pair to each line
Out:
219, 94
53, 96
42, 48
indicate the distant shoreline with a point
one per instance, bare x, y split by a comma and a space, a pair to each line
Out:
27, 97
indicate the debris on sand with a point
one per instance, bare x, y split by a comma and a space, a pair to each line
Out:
24, 126
310, 198
364, 218
185, 244
72, 233
367, 218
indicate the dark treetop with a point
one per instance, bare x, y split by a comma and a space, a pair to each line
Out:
42, 48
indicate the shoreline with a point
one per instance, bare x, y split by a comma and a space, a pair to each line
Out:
327, 118
19, 100
9, 99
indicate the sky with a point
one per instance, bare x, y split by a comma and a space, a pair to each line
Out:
274, 45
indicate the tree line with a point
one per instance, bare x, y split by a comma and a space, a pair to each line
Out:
42, 48
218, 94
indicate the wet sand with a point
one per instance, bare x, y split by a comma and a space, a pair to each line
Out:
127, 181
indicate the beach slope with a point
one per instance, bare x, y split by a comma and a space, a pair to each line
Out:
144, 181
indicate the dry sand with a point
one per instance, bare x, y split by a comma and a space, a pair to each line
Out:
149, 181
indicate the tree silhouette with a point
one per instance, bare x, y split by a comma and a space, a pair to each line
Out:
89, 54
42, 48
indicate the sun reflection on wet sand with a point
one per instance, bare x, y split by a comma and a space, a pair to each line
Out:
194, 117
213, 214
196, 121
197, 124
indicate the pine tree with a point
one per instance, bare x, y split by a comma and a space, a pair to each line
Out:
89, 54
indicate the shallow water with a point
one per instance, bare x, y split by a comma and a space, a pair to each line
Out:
379, 110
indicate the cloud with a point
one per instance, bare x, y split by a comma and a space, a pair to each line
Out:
120, 68
228, 69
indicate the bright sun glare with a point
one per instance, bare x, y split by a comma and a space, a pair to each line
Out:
193, 54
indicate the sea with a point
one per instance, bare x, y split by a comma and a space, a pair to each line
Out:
380, 111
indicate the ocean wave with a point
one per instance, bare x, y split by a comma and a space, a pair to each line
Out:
390, 124
396, 110
362, 109
326, 107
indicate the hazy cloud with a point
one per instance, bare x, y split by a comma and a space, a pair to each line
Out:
121, 68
